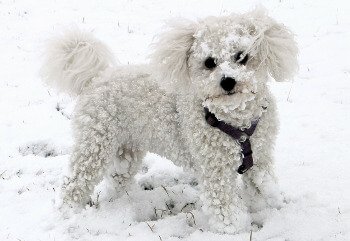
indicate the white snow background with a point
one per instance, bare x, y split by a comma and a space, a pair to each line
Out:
312, 151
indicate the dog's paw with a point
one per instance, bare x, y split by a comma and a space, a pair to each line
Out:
276, 201
272, 196
233, 225
267, 195
69, 209
230, 220
262, 208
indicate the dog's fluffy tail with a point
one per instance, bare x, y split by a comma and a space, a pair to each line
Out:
73, 60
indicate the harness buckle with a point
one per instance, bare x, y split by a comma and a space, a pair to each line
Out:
243, 138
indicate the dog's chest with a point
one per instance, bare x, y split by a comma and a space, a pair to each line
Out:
208, 144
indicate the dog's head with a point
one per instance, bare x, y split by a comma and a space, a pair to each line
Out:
225, 61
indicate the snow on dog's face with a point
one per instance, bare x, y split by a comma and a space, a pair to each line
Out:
224, 62
223, 72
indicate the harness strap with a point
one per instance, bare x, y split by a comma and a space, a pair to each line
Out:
242, 136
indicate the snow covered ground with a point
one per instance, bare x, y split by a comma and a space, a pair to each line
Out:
312, 152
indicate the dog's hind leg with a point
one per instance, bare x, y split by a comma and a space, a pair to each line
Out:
89, 160
125, 166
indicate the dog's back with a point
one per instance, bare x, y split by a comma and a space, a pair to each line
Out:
136, 110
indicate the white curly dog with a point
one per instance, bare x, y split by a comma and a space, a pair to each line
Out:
203, 77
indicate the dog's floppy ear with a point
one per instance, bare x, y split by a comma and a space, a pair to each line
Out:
274, 45
171, 53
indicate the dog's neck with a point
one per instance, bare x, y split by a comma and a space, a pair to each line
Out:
240, 115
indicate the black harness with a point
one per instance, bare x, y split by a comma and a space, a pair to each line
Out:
242, 136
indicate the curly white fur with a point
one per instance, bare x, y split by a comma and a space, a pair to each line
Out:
73, 60
123, 112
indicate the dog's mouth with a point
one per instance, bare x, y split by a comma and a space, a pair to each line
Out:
237, 92
228, 93
232, 99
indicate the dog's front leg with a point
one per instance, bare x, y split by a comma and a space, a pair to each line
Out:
261, 188
227, 212
261, 191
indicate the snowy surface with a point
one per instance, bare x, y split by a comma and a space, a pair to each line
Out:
312, 152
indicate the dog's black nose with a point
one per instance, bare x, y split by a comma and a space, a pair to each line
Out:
228, 83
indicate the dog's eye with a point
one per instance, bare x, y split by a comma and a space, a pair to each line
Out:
240, 58
210, 63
